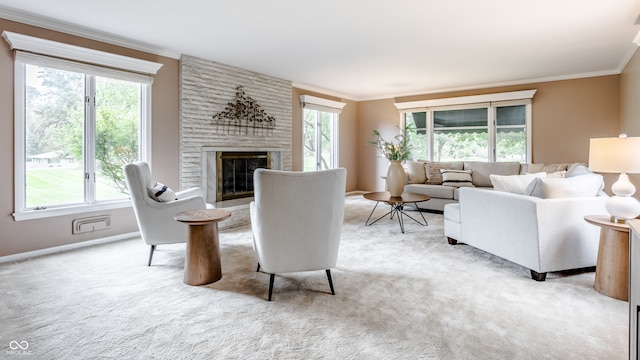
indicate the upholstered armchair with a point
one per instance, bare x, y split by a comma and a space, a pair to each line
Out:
296, 220
156, 216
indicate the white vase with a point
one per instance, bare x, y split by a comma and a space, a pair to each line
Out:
395, 178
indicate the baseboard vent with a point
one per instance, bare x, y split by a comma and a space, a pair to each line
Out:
91, 224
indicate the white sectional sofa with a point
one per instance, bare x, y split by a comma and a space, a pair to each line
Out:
544, 230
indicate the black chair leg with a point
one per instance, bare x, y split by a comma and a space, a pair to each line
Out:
258, 269
153, 248
271, 278
330, 282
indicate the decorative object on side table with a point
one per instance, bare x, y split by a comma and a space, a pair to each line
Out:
618, 155
395, 152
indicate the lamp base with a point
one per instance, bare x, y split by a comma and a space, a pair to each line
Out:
622, 208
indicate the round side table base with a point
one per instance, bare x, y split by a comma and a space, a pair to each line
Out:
202, 261
612, 270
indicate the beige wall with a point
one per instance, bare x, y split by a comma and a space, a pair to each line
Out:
23, 236
630, 106
566, 114
347, 130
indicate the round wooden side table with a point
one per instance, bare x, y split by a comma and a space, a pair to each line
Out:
612, 269
202, 260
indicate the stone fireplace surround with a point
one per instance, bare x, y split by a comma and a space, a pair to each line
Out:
206, 88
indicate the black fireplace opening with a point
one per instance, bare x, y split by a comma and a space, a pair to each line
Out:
235, 172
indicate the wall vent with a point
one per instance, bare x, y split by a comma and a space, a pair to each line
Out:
91, 224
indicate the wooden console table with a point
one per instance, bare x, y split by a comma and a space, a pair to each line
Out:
202, 260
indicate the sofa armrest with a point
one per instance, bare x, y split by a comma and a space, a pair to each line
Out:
540, 234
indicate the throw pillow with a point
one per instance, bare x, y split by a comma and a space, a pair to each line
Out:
557, 174
161, 192
578, 169
536, 168
456, 178
416, 172
577, 186
513, 183
432, 170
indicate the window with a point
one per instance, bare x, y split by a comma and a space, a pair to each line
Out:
320, 133
76, 125
471, 128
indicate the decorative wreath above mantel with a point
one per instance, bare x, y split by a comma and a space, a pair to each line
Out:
245, 116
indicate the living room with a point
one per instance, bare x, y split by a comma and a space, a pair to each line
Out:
568, 112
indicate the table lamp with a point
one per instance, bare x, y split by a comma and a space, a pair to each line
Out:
618, 155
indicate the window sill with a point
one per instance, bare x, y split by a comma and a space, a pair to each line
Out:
70, 210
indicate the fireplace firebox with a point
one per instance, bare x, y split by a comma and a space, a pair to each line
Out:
235, 172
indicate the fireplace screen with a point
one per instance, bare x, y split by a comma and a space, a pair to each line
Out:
235, 173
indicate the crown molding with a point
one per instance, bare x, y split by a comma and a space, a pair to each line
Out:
88, 33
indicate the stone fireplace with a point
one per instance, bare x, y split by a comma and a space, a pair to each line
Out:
208, 88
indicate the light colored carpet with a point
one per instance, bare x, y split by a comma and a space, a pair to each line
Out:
398, 296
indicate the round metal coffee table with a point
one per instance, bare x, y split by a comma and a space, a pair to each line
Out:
397, 203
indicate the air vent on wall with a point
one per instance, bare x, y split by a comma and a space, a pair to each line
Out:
90, 224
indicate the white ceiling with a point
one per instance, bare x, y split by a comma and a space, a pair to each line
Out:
365, 49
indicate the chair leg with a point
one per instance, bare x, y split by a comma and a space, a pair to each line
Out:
258, 269
153, 248
271, 278
330, 282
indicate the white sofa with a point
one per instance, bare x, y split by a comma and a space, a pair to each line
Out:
541, 234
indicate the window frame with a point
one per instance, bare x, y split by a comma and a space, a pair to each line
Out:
31, 50
489, 101
334, 108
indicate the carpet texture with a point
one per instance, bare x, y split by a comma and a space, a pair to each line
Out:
398, 296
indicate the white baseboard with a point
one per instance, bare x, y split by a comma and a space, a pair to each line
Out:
55, 249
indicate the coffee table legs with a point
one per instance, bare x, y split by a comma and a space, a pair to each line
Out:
396, 210
202, 260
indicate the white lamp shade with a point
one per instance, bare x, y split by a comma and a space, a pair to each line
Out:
615, 155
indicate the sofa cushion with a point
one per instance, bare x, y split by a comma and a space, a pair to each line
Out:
416, 172
514, 183
482, 170
577, 186
436, 191
456, 178
432, 169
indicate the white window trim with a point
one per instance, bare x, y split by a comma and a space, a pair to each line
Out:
44, 47
77, 53
422, 105
490, 101
330, 106
326, 105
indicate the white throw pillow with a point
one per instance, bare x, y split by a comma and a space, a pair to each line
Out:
161, 192
577, 186
513, 183
456, 178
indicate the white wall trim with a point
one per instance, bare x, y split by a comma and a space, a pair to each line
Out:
320, 102
473, 99
55, 249
85, 32
78, 53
